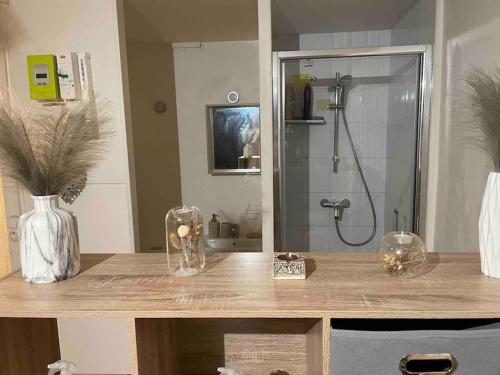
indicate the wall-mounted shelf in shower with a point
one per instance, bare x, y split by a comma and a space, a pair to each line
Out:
313, 121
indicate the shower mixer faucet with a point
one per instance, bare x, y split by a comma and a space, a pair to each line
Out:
338, 207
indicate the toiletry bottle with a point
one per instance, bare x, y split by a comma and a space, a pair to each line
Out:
225, 230
289, 101
307, 115
214, 227
235, 230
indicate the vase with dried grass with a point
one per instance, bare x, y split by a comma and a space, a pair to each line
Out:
49, 152
484, 92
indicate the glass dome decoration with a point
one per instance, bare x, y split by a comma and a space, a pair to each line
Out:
185, 244
403, 254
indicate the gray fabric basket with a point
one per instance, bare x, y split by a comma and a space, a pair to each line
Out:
355, 352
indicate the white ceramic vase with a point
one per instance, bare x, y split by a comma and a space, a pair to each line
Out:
489, 227
49, 242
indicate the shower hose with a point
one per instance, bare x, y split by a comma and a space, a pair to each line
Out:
355, 154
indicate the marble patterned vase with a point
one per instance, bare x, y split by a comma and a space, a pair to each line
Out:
49, 242
489, 227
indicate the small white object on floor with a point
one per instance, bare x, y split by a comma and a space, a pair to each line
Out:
61, 368
228, 371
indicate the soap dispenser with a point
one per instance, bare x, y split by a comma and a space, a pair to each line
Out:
214, 227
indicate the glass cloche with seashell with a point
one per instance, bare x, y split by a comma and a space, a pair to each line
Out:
185, 244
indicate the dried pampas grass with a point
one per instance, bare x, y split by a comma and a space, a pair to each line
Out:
49, 150
484, 93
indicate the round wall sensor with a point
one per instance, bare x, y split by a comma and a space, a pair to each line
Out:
160, 106
233, 97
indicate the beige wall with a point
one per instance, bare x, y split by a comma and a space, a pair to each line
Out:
156, 144
105, 210
289, 42
470, 33
4, 242
3, 48
417, 26
204, 76
4, 238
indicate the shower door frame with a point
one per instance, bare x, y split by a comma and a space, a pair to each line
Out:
424, 53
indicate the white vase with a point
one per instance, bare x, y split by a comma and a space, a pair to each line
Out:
489, 227
49, 242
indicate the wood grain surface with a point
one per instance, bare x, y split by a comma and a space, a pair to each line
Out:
239, 285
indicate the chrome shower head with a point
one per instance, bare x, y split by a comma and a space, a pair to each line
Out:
340, 81
339, 89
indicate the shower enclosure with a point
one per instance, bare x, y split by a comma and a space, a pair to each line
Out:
355, 168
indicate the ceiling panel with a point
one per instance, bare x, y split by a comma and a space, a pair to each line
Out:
323, 16
218, 20
190, 20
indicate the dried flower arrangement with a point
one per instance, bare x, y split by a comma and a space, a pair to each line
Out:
484, 93
50, 151
185, 238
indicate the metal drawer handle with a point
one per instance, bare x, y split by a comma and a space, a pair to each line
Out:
428, 364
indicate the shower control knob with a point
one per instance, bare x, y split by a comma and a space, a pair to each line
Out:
326, 203
338, 207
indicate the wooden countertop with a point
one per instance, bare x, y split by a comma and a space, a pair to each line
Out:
240, 285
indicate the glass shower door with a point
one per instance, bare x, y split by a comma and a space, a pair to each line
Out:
357, 149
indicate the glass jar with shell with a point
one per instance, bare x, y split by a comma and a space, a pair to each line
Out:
185, 244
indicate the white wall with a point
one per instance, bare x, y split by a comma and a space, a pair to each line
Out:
204, 76
266, 123
109, 189
106, 209
470, 33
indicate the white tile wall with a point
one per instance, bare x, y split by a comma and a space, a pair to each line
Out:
367, 114
317, 238
316, 215
346, 179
